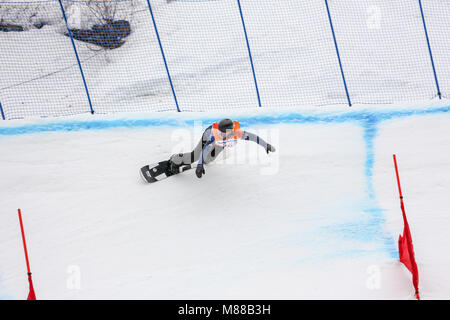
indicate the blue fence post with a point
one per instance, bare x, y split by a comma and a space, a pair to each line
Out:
338, 55
429, 49
76, 54
163, 55
249, 52
1, 110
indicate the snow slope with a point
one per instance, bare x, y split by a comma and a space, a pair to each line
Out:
317, 219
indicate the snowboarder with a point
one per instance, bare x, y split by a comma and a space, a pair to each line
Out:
215, 138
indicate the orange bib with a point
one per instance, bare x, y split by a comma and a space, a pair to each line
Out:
227, 139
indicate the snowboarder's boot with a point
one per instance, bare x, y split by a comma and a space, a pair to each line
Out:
173, 168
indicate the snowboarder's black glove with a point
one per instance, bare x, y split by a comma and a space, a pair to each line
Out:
270, 148
199, 171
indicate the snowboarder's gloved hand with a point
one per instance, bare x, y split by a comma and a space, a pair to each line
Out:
270, 148
199, 171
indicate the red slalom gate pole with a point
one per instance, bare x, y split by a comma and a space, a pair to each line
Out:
405, 246
31, 294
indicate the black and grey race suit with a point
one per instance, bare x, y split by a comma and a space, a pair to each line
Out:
207, 150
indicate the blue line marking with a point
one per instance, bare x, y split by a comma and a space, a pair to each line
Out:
370, 132
372, 222
4, 295
266, 119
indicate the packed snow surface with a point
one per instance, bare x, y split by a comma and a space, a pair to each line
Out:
319, 218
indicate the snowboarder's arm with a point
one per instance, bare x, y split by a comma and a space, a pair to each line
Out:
208, 147
253, 137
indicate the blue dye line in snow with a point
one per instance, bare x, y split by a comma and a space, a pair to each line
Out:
287, 118
3, 295
374, 220
366, 228
370, 132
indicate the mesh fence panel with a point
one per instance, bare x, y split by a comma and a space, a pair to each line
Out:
383, 50
126, 71
40, 75
437, 13
206, 52
200, 59
294, 55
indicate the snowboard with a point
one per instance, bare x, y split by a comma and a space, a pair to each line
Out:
159, 171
